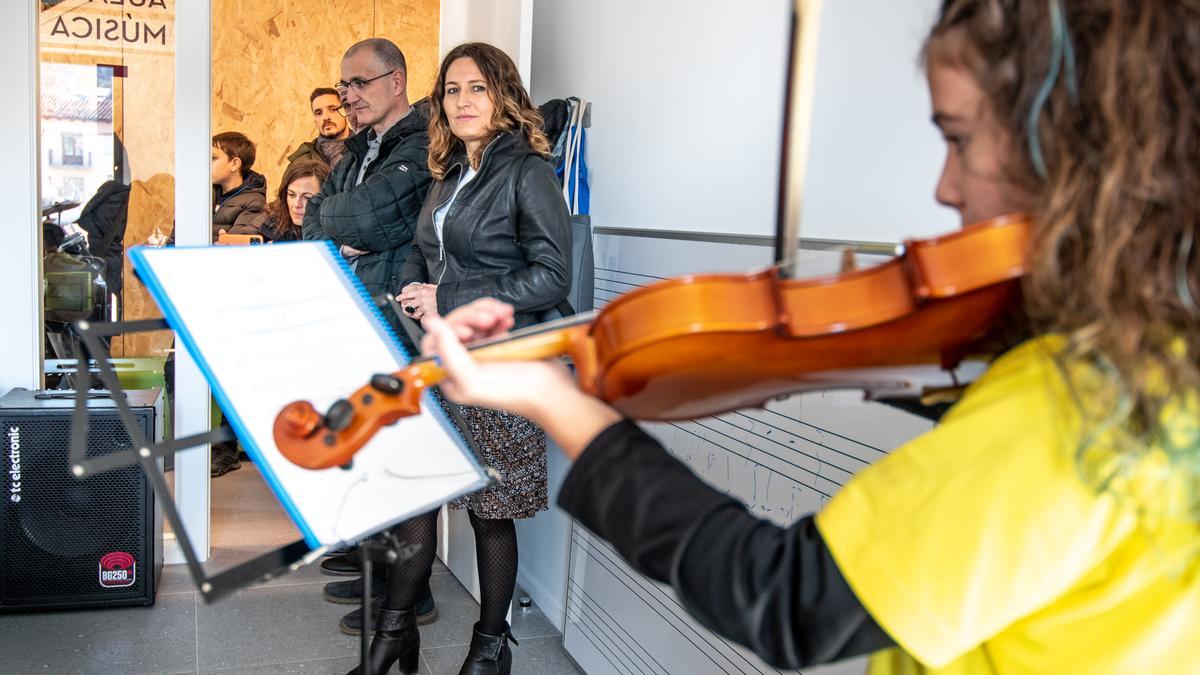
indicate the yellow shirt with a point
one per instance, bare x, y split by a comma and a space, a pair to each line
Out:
980, 549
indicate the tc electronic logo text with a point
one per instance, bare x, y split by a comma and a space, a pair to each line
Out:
14, 464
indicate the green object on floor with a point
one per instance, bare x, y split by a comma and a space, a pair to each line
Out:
139, 373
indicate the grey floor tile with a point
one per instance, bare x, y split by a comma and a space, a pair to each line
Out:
175, 579
541, 656
443, 660
338, 666
537, 656
157, 639
457, 613
528, 623
230, 555
271, 625
439, 567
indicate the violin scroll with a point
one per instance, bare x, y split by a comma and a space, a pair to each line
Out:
313, 440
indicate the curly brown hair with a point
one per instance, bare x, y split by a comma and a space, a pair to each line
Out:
512, 106
1103, 95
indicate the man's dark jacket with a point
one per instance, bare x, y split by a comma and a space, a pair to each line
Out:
380, 215
313, 150
104, 217
307, 150
507, 235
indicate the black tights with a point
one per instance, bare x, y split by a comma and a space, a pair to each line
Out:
495, 553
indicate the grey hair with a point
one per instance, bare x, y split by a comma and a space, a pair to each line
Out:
385, 50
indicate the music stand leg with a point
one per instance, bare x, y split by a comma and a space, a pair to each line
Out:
364, 555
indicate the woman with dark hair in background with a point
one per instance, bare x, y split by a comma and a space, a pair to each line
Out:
494, 224
281, 221
1051, 522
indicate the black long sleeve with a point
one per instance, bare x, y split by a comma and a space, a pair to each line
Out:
776, 590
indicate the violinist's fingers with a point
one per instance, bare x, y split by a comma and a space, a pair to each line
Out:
441, 340
526, 388
484, 318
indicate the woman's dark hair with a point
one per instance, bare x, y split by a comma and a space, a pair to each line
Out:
281, 219
1102, 97
512, 108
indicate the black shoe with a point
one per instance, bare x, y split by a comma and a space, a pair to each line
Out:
427, 613
349, 592
397, 640
489, 654
344, 565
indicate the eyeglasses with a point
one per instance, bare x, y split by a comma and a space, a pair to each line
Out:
356, 84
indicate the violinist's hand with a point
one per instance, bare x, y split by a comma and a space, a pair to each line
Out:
480, 320
542, 391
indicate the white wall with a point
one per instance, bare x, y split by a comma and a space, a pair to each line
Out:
874, 155
20, 272
503, 23
544, 546
688, 106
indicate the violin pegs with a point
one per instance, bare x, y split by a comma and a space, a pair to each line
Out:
340, 415
387, 383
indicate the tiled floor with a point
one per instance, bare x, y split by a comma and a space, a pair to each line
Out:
281, 626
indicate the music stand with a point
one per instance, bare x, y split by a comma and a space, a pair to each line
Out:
386, 549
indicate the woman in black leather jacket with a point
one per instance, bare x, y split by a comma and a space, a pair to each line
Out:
494, 225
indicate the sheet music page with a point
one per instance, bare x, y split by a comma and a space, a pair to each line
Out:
273, 324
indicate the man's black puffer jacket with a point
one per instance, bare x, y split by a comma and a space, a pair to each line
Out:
507, 235
380, 215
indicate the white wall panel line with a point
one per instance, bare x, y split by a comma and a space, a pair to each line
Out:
664, 604
583, 603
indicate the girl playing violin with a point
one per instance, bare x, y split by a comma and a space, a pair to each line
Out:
1050, 522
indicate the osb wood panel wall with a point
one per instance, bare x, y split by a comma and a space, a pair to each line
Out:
269, 55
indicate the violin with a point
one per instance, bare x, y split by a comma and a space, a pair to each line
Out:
701, 345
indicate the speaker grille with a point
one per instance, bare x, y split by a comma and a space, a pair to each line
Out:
53, 540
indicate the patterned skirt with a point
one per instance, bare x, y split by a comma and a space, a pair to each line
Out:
516, 449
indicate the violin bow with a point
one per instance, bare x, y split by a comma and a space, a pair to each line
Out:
797, 124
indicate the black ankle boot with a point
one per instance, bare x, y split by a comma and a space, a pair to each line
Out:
489, 654
396, 641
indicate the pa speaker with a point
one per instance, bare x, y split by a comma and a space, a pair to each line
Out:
67, 543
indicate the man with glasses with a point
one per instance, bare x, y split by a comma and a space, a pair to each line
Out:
370, 203
332, 128
369, 208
